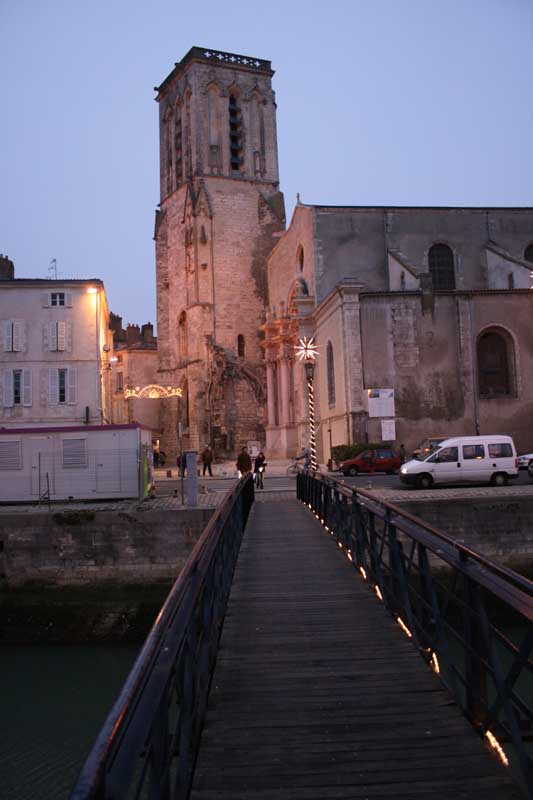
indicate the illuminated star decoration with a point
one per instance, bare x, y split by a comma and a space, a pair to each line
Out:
152, 391
306, 349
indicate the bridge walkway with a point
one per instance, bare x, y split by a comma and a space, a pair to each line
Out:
318, 694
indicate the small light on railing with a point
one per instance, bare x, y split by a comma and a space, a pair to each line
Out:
378, 593
362, 571
339, 545
434, 661
349, 555
496, 746
404, 627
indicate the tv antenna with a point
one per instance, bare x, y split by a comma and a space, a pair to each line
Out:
52, 269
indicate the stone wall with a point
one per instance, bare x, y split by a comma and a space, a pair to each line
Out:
87, 548
500, 529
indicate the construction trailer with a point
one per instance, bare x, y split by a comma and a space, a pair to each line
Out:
75, 462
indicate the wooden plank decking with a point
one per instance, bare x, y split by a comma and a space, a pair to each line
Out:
317, 693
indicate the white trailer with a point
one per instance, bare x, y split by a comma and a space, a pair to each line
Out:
79, 462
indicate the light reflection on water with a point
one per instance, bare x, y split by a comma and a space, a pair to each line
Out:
53, 701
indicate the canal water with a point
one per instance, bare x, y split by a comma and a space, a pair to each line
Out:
53, 701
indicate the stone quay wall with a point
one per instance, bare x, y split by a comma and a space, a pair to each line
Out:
83, 547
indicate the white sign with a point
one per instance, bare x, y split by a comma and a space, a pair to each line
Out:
381, 403
253, 448
388, 430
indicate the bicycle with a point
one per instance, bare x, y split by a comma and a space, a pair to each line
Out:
293, 468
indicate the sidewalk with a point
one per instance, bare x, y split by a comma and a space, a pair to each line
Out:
227, 469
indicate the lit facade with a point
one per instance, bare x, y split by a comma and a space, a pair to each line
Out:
55, 348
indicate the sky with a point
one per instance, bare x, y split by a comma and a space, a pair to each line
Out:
379, 102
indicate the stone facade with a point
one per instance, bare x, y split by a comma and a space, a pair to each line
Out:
365, 282
220, 212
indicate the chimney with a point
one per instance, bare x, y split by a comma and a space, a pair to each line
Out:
133, 334
7, 269
147, 332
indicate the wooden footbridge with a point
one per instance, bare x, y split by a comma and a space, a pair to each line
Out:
360, 655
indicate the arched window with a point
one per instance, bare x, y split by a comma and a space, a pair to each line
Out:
441, 266
331, 375
240, 345
300, 258
183, 345
178, 153
495, 364
528, 253
235, 134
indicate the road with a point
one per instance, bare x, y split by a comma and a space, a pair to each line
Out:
167, 486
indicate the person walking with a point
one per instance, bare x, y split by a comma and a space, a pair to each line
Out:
181, 462
259, 469
207, 460
244, 462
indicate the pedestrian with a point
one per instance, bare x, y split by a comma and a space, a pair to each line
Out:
244, 462
402, 453
259, 469
207, 460
181, 462
307, 458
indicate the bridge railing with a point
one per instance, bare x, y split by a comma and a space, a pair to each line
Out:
148, 744
470, 618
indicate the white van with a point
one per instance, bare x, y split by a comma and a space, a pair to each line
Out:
465, 459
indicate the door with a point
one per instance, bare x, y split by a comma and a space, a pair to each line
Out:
444, 466
42, 466
474, 465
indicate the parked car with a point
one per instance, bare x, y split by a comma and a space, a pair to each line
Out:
428, 446
524, 461
372, 461
464, 459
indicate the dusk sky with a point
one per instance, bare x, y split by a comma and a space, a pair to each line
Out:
388, 102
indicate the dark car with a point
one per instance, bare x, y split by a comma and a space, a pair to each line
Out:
372, 461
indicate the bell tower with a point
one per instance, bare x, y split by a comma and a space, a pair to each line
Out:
219, 216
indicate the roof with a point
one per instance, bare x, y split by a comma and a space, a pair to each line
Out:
216, 58
71, 428
51, 282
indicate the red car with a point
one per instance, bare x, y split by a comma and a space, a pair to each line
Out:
372, 461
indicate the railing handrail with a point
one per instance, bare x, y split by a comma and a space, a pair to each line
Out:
145, 662
520, 595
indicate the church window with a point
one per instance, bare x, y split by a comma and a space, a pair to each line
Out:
235, 134
240, 345
495, 364
300, 258
441, 267
178, 147
182, 337
528, 253
168, 136
331, 375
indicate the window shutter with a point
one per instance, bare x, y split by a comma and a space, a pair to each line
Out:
8, 388
18, 336
72, 385
8, 336
61, 335
53, 387
45, 299
52, 335
69, 337
10, 455
26, 387
68, 299
74, 453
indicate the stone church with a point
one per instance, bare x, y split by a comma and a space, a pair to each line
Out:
422, 316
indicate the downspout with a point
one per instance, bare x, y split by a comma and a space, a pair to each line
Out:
473, 363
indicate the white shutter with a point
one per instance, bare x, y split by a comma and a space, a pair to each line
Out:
69, 337
72, 385
45, 299
61, 335
53, 387
26, 388
8, 336
52, 335
18, 336
8, 388
68, 299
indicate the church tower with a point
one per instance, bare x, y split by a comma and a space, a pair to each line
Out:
220, 214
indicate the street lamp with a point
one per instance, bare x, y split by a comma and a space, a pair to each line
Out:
306, 351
